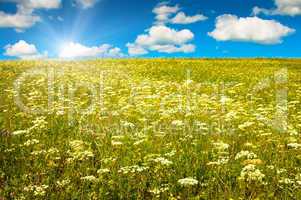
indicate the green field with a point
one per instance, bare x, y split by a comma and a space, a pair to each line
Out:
150, 129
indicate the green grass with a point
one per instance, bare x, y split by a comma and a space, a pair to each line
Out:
151, 129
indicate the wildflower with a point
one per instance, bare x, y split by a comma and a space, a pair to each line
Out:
117, 137
253, 161
298, 179
139, 142
251, 174
231, 115
249, 144
177, 123
281, 171
103, 171
77, 144
286, 181
83, 155
132, 169
36, 189
162, 161
20, 132
202, 127
266, 134
128, 125
39, 124
89, 179
294, 146
245, 154
63, 183
36, 153
53, 150
155, 191
40, 190
108, 160
116, 143
170, 154
222, 160
271, 167
188, 182
221, 146
79, 152
31, 142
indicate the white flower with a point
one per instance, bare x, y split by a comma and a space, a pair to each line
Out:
222, 160
89, 178
286, 181
63, 183
281, 171
188, 181
38, 190
139, 142
162, 161
76, 144
116, 143
132, 169
20, 132
103, 171
245, 154
128, 125
177, 123
31, 142
221, 146
294, 146
251, 174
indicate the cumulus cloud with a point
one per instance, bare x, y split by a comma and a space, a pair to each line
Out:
18, 21
23, 50
134, 49
249, 29
86, 3
162, 39
165, 14
283, 7
29, 5
76, 50
182, 18
25, 17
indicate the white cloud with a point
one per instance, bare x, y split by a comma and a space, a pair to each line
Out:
23, 50
249, 29
134, 49
18, 21
170, 48
38, 4
182, 18
162, 39
283, 7
86, 3
163, 12
24, 17
164, 35
76, 50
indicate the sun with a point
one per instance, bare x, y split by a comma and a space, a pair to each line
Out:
68, 49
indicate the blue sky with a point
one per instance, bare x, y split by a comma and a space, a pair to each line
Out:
31, 29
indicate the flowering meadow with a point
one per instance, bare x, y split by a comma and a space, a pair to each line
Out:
150, 129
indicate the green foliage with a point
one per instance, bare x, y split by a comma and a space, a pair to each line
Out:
150, 129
